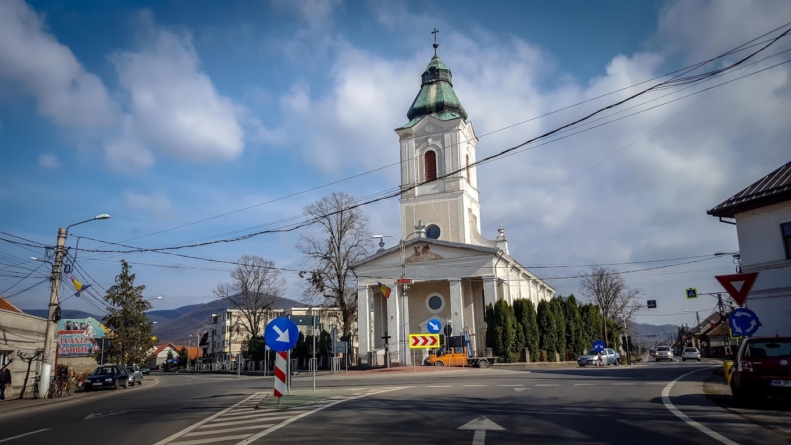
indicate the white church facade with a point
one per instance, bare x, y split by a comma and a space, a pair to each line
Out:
454, 271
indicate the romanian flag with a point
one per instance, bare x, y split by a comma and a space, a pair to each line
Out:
79, 286
385, 290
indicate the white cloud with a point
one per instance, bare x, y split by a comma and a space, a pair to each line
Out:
47, 69
174, 106
156, 204
647, 201
48, 161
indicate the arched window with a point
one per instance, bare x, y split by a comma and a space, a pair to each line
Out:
430, 165
468, 169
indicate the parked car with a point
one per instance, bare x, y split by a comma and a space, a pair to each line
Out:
145, 370
663, 353
107, 376
591, 357
762, 368
135, 375
690, 354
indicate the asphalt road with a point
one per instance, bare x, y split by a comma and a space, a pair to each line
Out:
618, 405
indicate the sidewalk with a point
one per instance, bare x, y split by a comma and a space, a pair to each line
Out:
15, 404
769, 414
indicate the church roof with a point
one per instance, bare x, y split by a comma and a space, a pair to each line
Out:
436, 96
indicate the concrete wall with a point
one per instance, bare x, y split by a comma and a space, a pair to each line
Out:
762, 251
20, 332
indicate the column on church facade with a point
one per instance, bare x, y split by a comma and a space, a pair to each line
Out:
364, 319
404, 329
456, 306
489, 290
393, 322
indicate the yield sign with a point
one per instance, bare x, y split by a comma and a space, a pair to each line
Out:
423, 341
738, 285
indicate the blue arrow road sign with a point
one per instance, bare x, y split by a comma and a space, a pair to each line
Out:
743, 322
434, 326
281, 334
598, 345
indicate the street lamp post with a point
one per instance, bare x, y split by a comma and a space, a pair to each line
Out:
419, 230
48, 358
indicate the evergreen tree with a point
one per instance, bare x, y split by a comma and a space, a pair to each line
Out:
184, 356
546, 330
559, 317
490, 328
505, 331
592, 324
168, 360
531, 331
574, 336
132, 333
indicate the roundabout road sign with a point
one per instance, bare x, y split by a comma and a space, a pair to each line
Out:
743, 322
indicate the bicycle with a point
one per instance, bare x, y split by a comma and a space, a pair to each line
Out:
55, 389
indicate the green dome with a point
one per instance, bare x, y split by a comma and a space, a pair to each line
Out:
436, 96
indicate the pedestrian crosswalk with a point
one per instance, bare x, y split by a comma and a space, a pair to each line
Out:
242, 423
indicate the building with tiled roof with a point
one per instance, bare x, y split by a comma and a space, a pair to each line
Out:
20, 333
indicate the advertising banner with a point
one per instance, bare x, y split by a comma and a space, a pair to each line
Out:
77, 337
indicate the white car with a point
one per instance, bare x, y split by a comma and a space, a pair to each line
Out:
690, 354
663, 353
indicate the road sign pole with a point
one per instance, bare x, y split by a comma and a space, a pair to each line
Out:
314, 349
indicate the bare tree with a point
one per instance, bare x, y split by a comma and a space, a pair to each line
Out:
254, 289
606, 288
341, 240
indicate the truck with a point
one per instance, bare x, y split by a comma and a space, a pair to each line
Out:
457, 356
457, 351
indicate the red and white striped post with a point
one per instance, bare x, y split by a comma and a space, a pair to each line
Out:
280, 375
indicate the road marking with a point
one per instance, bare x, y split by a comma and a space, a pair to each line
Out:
622, 384
241, 422
23, 435
585, 384
669, 405
438, 386
255, 437
209, 440
510, 385
204, 421
542, 384
474, 385
227, 430
480, 425
520, 389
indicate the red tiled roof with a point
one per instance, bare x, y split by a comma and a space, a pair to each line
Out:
7, 306
194, 351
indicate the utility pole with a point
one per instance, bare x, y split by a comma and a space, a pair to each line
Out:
313, 322
50, 344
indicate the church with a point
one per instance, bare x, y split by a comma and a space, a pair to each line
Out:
447, 269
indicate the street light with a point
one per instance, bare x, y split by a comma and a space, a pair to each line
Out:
48, 358
419, 230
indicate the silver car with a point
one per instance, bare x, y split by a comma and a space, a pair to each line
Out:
664, 353
690, 354
591, 357
135, 375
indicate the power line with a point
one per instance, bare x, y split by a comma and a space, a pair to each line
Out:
23, 278
669, 83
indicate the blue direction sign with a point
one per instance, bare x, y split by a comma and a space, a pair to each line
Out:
434, 326
281, 334
743, 322
598, 345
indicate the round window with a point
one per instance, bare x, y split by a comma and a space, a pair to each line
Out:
432, 231
435, 303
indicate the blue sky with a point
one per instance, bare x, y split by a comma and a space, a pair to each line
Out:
166, 113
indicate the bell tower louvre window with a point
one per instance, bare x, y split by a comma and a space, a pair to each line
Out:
430, 165
468, 169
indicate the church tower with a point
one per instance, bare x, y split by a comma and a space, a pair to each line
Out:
439, 187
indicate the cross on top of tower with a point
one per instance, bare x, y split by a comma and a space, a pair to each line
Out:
436, 45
